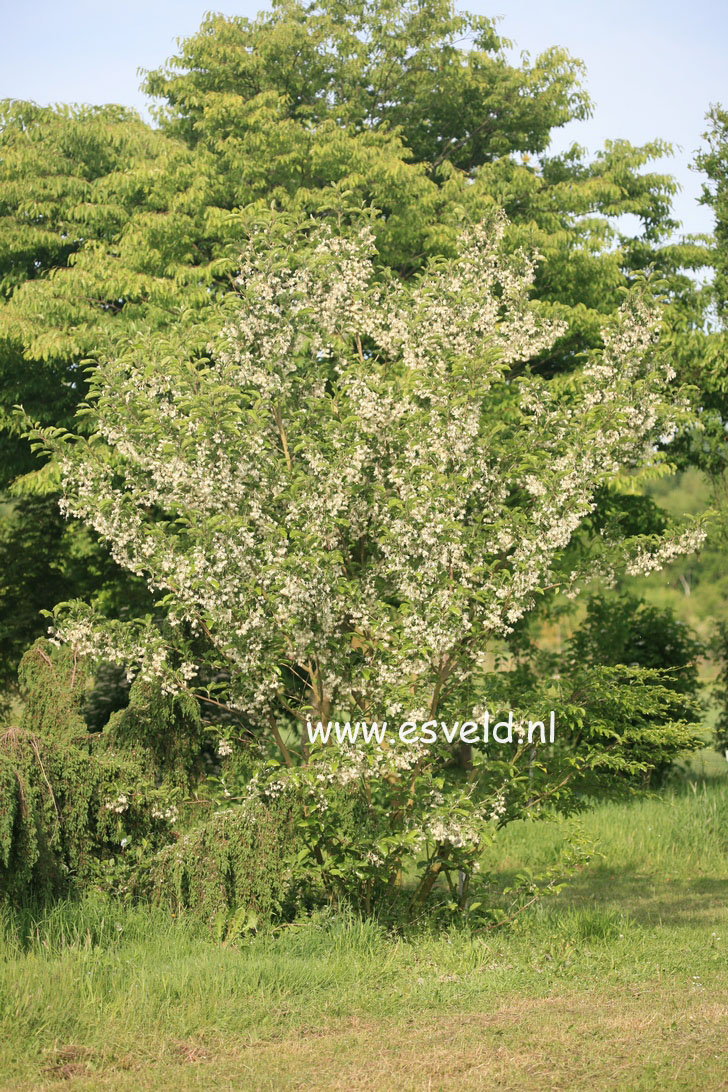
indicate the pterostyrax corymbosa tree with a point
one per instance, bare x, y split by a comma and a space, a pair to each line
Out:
360, 489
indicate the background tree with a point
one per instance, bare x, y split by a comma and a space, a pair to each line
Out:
708, 447
112, 228
713, 162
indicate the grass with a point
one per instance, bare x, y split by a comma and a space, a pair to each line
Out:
620, 982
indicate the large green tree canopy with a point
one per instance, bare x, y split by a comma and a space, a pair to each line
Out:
112, 228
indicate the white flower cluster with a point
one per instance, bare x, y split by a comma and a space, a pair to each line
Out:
498, 809
453, 831
170, 814
119, 806
648, 560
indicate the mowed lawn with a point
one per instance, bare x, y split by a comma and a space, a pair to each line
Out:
621, 982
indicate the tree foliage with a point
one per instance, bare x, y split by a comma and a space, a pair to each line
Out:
112, 229
349, 500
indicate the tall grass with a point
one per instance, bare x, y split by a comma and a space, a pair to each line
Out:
681, 832
126, 983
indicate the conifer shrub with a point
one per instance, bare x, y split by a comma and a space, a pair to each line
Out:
233, 871
70, 800
52, 683
62, 810
164, 729
624, 630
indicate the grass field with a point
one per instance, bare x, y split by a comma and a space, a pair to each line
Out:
621, 982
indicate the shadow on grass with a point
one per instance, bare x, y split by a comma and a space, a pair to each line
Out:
661, 858
701, 901
650, 900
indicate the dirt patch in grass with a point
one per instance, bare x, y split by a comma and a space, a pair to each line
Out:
67, 1062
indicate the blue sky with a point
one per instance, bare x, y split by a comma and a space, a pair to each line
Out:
653, 66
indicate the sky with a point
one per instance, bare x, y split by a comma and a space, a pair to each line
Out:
653, 66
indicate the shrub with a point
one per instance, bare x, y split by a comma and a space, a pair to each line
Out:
70, 801
621, 629
62, 810
233, 871
52, 684
720, 688
164, 729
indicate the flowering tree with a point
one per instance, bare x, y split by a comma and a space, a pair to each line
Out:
361, 489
